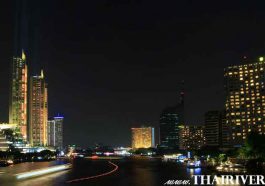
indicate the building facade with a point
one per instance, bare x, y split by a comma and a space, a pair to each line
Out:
170, 120
19, 94
191, 137
55, 132
143, 137
245, 100
38, 111
216, 130
169, 123
4, 142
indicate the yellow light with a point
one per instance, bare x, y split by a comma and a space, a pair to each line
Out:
42, 74
261, 58
23, 55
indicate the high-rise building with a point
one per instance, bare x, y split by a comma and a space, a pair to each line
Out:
55, 132
18, 94
143, 137
170, 120
38, 110
191, 137
216, 131
245, 100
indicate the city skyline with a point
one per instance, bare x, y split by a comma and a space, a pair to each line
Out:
100, 78
125, 92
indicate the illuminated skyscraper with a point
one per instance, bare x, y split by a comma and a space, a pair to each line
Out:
245, 100
38, 113
55, 132
18, 94
143, 137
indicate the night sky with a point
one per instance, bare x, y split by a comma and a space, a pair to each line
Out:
113, 65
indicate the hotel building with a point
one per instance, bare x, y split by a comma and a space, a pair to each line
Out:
191, 137
245, 100
18, 94
38, 111
143, 137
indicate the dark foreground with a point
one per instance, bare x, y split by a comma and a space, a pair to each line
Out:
131, 172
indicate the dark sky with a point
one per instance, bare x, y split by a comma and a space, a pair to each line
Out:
111, 65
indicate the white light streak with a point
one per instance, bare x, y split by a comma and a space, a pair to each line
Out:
40, 172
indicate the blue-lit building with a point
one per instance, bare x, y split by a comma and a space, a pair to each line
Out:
55, 132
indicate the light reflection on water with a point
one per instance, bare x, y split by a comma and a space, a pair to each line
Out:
195, 171
130, 172
57, 178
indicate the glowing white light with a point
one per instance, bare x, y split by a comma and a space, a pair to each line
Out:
43, 171
10, 161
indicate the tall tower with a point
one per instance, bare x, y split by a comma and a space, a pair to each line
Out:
18, 94
38, 110
170, 121
245, 100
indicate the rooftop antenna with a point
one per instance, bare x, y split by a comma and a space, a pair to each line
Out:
182, 92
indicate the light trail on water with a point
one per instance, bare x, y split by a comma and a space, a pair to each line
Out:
116, 167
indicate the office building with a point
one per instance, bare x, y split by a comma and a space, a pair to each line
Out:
55, 132
191, 137
143, 137
170, 120
216, 130
38, 110
245, 100
18, 94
